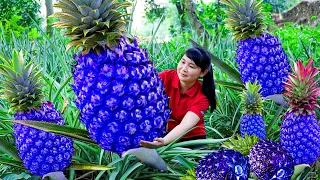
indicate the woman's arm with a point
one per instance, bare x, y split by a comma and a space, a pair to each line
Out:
188, 122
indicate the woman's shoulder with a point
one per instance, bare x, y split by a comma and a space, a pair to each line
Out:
167, 74
200, 95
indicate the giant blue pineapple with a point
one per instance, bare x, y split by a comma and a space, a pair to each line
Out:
119, 93
260, 55
41, 152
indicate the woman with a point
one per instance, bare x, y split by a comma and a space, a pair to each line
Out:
189, 99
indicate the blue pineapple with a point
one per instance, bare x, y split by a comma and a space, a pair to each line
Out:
223, 164
119, 93
41, 152
252, 122
260, 55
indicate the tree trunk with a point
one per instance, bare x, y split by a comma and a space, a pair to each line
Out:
49, 9
196, 23
181, 13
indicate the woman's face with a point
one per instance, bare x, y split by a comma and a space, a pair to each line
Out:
188, 71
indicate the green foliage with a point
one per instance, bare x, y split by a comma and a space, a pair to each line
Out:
27, 9
190, 175
153, 10
241, 144
211, 15
276, 5
267, 9
33, 34
11, 26
69, 132
314, 17
17, 176
167, 54
279, 6
18, 17
300, 41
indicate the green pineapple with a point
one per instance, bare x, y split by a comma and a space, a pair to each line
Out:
41, 152
252, 122
300, 131
260, 55
119, 93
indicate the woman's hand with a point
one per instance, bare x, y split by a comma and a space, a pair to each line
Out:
157, 142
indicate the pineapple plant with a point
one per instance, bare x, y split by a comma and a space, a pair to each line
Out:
300, 131
260, 55
241, 144
41, 152
119, 93
269, 161
252, 122
223, 164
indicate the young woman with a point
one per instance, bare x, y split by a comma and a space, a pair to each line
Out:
189, 99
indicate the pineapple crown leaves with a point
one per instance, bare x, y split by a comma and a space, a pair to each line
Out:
21, 82
190, 175
302, 90
251, 98
92, 24
245, 18
241, 144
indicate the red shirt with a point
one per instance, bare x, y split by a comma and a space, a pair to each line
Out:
180, 103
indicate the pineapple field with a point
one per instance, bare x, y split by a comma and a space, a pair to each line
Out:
80, 93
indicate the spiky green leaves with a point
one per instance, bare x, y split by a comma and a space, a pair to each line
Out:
251, 98
190, 175
21, 83
302, 89
243, 145
245, 18
92, 24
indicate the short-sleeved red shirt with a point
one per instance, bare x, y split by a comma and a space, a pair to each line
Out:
180, 103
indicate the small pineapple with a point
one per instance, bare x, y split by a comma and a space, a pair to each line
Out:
223, 164
119, 93
259, 55
252, 122
41, 152
269, 161
300, 131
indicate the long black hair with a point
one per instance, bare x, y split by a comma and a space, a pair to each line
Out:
202, 59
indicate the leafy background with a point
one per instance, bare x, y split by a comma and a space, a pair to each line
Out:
21, 28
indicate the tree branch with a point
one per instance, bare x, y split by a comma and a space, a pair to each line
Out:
195, 22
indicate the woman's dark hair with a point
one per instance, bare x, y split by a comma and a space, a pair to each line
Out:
202, 59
